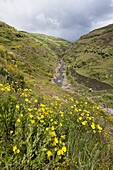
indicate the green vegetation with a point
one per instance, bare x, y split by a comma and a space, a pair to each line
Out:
48, 133
29, 60
42, 126
92, 56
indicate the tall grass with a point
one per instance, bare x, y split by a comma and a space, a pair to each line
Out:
50, 133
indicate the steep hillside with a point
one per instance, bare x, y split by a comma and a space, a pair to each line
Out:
91, 57
42, 126
92, 54
29, 58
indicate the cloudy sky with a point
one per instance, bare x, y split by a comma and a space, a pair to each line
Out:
68, 19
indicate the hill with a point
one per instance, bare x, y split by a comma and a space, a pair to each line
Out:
29, 58
90, 60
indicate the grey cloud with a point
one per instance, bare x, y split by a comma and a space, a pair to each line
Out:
68, 19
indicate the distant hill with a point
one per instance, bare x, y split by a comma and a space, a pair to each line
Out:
92, 55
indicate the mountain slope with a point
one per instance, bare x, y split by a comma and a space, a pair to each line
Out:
29, 58
92, 55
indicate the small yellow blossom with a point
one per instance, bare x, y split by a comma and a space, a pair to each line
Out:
63, 136
1, 85
94, 131
86, 103
61, 124
42, 105
47, 128
52, 128
55, 122
35, 108
55, 141
18, 151
32, 121
84, 122
93, 126
60, 152
82, 114
11, 131
99, 127
52, 133
18, 120
36, 101
17, 106
31, 116
21, 115
14, 148
42, 116
25, 89
29, 109
26, 100
41, 121
49, 153
80, 118
64, 148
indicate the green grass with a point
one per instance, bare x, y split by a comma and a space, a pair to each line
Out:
47, 133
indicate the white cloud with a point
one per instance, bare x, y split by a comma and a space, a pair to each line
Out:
67, 18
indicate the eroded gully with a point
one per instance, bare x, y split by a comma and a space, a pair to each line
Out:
60, 79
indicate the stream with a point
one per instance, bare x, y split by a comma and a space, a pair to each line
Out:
60, 79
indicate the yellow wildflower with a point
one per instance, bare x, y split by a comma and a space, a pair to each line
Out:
64, 148
82, 114
84, 122
42, 105
26, 89
47, 128
26, 100
17, 106
42, 116
32, 121
36, 101
29, 109
99, 127
63, 136
62, 114
86, 103
93, 126
18, 120
52, 133
35, 108
31, 116
94, 131
18, 151
41, 121
52, 128
80, 118
49, 153
14, 148
11, 131
55, 122
61, 124
55, 141
60, 152
21, 115
1, 85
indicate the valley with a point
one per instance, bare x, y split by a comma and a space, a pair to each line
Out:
56, 101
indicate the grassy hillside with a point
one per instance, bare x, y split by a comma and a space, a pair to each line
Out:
29, 58
92, 56
41, 126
